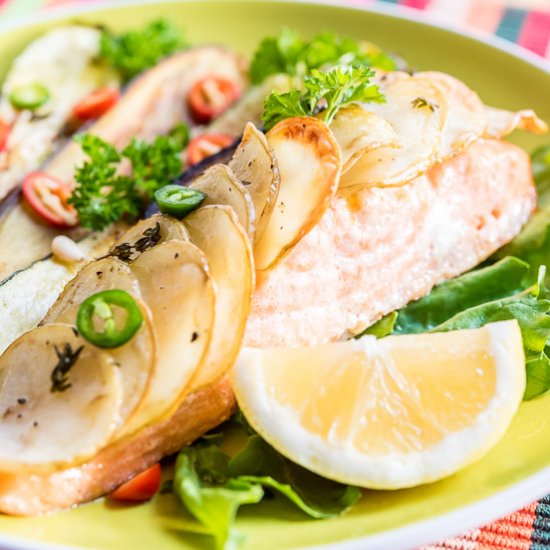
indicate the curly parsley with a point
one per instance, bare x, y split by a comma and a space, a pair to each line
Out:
324, 95
289, 53
132, 52
103, 196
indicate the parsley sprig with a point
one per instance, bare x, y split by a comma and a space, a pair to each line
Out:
289, 53
103, 195
324, 95
132, 52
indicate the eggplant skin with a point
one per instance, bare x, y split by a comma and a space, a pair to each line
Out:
152, 105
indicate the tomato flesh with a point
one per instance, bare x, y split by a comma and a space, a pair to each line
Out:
210, 97
4, 134
96, 104
141, 488
48, 197
206, 145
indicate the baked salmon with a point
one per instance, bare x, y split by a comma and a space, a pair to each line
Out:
372, 252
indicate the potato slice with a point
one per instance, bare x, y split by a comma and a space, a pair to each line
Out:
309, 163
60, 399
358, 131
255, 165
146, 234
417, 111
175, 284
466, 116
217, 232
221, 186
108, 273
501, 123
136, 359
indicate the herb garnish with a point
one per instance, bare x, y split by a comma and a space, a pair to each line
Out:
66, 361
128, 251
289, 53
421, 102
103, 196
324, 95
132, 52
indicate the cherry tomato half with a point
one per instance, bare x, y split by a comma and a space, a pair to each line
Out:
211, 96
206, 145
96, 104
4, 134
140, 488
48, 197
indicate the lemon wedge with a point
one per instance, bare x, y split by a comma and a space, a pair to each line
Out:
388, 413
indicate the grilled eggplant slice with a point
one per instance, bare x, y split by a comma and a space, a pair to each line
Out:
152, 105
64, 61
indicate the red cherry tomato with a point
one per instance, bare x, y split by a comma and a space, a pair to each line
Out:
210, 97
206, 145
48, 197
96, 104
140, 488
4, 134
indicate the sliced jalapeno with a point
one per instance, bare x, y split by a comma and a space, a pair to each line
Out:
178, 201
29, 96
99, 307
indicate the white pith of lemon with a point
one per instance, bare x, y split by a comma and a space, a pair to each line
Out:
388, 413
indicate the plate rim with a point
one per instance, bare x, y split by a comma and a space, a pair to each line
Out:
417, 533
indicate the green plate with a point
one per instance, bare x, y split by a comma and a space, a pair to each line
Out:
513, 474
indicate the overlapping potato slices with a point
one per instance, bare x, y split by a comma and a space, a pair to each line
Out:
255, 165
417, 110
60, 400
221, 186
217, 232
136, 359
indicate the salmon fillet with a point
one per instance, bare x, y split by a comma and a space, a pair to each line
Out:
376, 250
371, 253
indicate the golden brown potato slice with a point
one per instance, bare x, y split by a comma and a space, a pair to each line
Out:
309, 164
218, 233
136, 359
60, 400
221, 186
358, 131
500, 122
417, 111
256, 167
146, 234
175, 284
466, 116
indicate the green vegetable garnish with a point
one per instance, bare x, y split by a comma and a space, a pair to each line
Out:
99, 307
133, 52
324, 95
102, 196
289, 53
212, 485
178, 201
29, 96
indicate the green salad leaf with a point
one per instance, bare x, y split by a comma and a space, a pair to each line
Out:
133, 52
212, 485
289, 53
383, 327
324, 95
476, 288
103, 196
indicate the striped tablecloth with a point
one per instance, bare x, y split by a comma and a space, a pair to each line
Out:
526, 22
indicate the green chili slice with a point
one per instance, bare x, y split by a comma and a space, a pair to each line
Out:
99, 306
29, 96
178, 201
